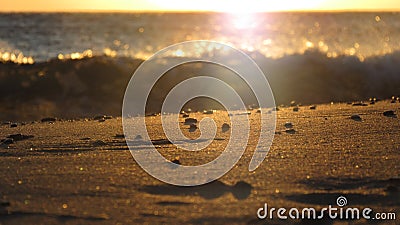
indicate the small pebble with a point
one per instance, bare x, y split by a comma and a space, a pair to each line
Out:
355, 117
389, 113
359, 104
99, 117
290, 131
102, 120
48, 119
13, 125
99, 143
225, 127
138, 137
176, 161
208, 112
293, 103
313, 107
185, 115
7, 141
193, 127
296, 109
119, 136
288, 125
189, 121
19, 137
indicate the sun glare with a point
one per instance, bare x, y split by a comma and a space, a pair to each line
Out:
249, 6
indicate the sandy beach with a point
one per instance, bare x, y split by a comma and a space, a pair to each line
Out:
81, 171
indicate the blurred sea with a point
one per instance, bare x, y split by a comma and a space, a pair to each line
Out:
46, 36
78, 64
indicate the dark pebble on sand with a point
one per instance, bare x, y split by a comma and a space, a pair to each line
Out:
355, 117
48, 119
185, 115
138, 137
258, 111
6, 123
119, 136
208, 112
13, 125
189, 121
193, 127
99, 117
313, 107
7, 141
389, 113
176, 161
359, 104
225, 127
99, 143
288, 125
296, 109
391, 189
102, 120
275, 109
293, 103
290, 131
19, 137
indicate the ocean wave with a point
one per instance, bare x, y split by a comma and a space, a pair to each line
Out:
92, 85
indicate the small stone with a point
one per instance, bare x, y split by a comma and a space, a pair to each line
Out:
108, 117
48, 119
138, 137
208, 112
7, 141
176, 161
389, 113
19, 137
355, 117
13, 125
99, 143
225, 127
290, 131
119, 136
102, 120
359, 104
99, 117
313, 107
293, 103
189, 121
185, 115
391, 189
288, 125
258, 111
193, 127
296, 109
275, 109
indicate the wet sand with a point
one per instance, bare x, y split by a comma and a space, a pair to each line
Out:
81, 172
